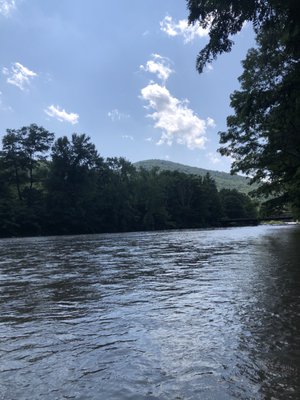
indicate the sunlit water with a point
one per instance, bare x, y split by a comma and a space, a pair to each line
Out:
202, 314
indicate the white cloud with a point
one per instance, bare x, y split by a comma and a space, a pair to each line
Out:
128, 137
61, 114
182, 28
213, 157
18, 75
177, 122
158, 65
7, 7
210, 122
116, 115
149, 139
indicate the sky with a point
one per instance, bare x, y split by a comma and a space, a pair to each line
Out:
122, 72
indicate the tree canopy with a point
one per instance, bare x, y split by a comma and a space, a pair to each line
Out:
69, 188
263, 135
226, 18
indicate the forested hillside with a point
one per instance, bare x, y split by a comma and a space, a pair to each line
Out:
223, 180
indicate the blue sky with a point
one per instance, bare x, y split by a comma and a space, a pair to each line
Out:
122, 72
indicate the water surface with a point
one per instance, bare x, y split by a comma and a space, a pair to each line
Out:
201, 314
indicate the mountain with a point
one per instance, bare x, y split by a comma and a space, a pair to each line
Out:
223, 179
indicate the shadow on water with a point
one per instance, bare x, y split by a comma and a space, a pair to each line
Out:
270, 337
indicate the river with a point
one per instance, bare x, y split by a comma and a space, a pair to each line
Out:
195, 314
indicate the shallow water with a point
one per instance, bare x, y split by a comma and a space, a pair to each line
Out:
201, 314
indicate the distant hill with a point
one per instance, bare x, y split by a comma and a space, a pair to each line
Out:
223, 179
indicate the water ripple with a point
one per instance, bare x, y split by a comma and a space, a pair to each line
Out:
211, 314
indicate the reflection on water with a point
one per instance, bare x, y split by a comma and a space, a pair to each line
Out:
211, 314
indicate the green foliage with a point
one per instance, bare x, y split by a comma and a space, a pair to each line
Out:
263, 135
237, 205
71, 185
223, 180
226, 18
23, 149
77, 191
22, 172
116, 201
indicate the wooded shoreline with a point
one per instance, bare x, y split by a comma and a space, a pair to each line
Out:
68, 188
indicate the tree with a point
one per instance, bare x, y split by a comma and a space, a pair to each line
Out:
226, 18
13, 157
23, 166
263, 135
35, 143
151, 199
237, 205
23, 149
8, 225
184, 191
72, 185
116, 195
212, 201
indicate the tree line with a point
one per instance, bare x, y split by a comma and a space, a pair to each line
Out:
64, 186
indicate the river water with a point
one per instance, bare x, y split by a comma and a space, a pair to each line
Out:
196, 314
